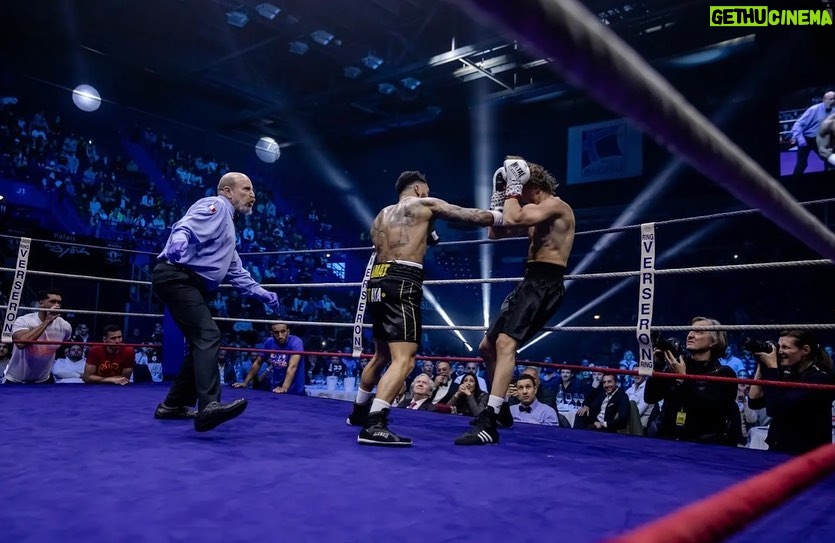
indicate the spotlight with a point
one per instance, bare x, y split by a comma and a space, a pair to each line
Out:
386, 88
237, 18
267, 11
267, 150
410, 83
372, 62
321, 37
86, 98
298, 47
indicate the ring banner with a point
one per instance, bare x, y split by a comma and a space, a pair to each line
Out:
646, 296
361, 307
21, 265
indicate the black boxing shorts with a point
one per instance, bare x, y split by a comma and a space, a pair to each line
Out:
394, 294
531, 304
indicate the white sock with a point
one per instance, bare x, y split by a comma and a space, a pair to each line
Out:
495, 402
831, 159
363, 396
378, 405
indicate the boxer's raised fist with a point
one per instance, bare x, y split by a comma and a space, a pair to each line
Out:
517, 173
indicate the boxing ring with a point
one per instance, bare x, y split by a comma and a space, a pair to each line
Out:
90, 462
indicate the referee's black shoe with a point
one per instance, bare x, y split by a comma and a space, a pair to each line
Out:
174, 413
216, 413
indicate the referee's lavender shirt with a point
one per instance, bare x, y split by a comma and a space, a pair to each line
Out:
209, 227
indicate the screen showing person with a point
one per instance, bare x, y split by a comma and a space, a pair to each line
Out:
807, 120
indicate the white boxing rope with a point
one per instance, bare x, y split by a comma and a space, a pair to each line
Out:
357, 349
646, 298
21, 265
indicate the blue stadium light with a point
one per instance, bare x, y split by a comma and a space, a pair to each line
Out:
371, 62
237, 18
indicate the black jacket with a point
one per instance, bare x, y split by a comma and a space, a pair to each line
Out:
801, 418
699, 411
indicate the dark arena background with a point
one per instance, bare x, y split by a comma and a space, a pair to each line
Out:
323, 105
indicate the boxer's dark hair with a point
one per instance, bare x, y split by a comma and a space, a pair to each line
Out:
407, 179
540, 177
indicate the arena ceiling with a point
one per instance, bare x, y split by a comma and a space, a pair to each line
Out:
248, 68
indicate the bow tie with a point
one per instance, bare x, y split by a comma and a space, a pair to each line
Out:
524, 409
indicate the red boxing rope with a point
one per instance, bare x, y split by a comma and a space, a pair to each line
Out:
596, 369
729, 511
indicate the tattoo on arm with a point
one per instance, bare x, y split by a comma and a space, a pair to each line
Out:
463, 214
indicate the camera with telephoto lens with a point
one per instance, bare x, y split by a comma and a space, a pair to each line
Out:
757, 345
670, 344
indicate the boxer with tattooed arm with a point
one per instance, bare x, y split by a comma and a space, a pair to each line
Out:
400, 234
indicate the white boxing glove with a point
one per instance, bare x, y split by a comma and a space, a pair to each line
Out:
831, 159
499, 186
516, 173
498, 218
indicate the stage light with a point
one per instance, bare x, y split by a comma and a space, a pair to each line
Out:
267, 150
268, 11
321, 37
237, 18
386, 88
372, 62
86, 98
410, 83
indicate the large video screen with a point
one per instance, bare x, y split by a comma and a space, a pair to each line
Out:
601, 151
801, 114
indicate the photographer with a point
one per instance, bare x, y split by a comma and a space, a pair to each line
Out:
801, 417
698, 411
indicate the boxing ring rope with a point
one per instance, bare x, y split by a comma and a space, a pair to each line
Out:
593, 57
492, 280
471, 359
729, 511
610, 230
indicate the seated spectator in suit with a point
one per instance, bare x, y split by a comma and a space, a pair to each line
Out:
569, 383
594, 388
444, 387
532, 371
428, 367
112, 363
469, 399
421, 390
530, 410
226, 369
70, 369
609, 412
